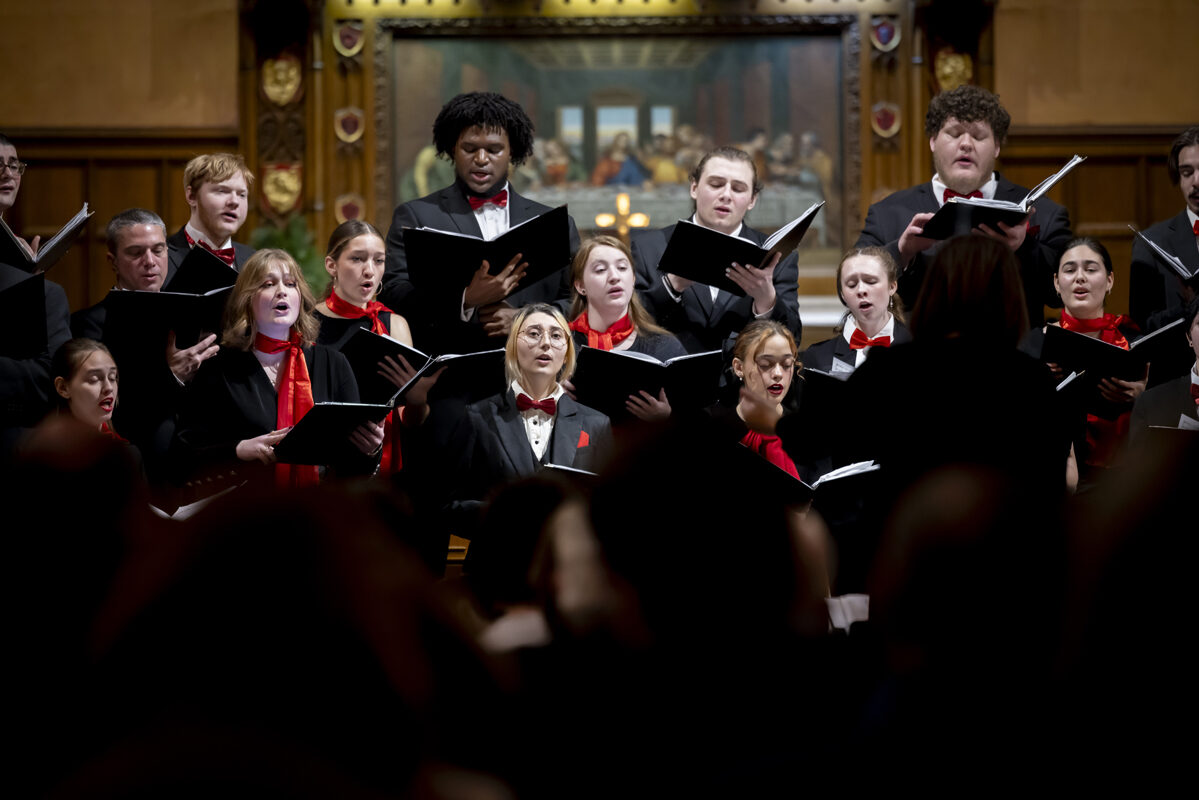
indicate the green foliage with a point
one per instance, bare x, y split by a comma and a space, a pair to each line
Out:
298, 240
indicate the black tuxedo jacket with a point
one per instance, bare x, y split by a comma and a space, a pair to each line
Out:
440, 329
820, 355
1162, 406
699, 323
26, 386
497, 449
1155, 292
177, 250
1038, 256
232, 399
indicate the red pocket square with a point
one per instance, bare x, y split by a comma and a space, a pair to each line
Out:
584, 440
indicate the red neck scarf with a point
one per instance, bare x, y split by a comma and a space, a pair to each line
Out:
350, 311
604, 340
226, 254
1108, 326
294, 388
107, 431
771, 449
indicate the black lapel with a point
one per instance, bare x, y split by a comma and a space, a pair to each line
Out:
453, 203
176, 251
568, 425
1006, 190
1182, 240
926, 201
514, 440
842, 350
520, 209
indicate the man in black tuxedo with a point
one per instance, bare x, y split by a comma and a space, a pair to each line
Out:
483, 133
1157, 295
966, 128
725, 185
217, 188
137, 251
150, 388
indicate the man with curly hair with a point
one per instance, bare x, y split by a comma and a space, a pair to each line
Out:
482, 133
966, 128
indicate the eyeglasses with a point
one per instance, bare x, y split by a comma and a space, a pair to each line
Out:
534, 335
13, 166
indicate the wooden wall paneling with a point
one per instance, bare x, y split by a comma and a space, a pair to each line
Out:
1165, 199
174, 210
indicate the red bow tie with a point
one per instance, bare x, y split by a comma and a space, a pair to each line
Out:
1195, 390
524, 403
858, 340
226, 254
1196, 227
951, 193
500, 199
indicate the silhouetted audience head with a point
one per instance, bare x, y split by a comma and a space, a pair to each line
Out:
972, 289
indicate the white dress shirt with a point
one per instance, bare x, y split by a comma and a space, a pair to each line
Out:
851, 325
988, 189
539, 426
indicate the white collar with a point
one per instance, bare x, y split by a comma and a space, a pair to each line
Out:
198, 237
851, 325
988, 189
695, 219
1192, 217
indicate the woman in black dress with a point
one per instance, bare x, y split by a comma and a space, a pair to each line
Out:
355, 262
606, 314
267, 376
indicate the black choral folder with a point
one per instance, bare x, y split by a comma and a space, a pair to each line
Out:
604, 379
442, 262
199, 273
467, 376
960, 215
49, 252
780, 484
141, 320
322, 436
1076, 352
702, 255
23, 318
